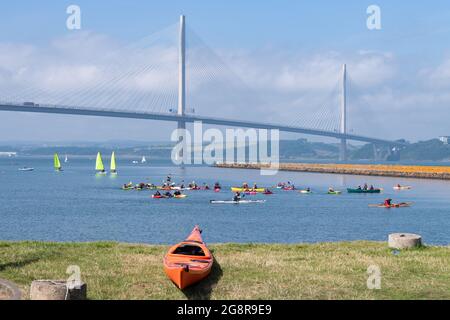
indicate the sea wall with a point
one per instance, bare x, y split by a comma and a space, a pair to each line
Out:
424, 172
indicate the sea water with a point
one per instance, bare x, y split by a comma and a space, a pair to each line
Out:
77, 205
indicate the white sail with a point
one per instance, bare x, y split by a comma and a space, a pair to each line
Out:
143, 160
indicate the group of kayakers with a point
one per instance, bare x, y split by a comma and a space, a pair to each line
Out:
168, 194
239, 193
139, 186
286, 186
246, 186
366, 187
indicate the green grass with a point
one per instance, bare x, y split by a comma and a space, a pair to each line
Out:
242, 271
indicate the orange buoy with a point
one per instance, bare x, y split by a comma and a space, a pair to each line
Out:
188, 262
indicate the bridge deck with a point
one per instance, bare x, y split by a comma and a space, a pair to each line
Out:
70, 110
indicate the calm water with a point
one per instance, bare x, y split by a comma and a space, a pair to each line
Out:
77, 206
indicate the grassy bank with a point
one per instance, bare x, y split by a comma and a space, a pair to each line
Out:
242, 271
402, 171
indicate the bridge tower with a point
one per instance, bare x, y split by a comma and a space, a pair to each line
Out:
182, 75
343, 126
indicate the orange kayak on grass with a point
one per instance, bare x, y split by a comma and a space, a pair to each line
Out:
188, 262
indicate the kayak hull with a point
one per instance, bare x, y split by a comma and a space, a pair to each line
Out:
259, 190
363, 191
403, 188
183, 276
394, 205
334, 192
186, 270
236, 202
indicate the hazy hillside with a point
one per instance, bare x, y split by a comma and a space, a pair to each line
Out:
301, 149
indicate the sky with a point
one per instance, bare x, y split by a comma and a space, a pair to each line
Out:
276, 61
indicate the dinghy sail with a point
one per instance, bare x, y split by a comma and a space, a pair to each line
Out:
57, 163
113, 168
99, 167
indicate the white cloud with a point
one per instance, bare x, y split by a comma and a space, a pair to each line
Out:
278, 85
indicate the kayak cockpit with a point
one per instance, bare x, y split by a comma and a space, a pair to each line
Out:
189, 249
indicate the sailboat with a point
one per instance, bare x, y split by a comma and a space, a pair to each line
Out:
99, 167
66, 159
57, 163
143, 160
113, 164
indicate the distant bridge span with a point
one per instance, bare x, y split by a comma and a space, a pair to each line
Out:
82, 111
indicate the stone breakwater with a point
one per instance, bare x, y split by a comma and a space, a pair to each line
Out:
423, 172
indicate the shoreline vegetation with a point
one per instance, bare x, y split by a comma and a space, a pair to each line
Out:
290, 150
400, 171
242, 271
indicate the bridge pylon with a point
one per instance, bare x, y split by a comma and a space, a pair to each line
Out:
343, 126
182, 77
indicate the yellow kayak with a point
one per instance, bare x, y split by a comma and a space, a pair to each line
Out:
235, 189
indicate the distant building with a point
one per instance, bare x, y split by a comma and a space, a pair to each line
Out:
445, 139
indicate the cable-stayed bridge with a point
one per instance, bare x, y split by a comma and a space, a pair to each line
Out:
164, 80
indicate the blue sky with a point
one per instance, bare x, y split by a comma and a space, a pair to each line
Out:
403, 64
310, 24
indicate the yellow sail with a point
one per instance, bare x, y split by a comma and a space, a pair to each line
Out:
113, 163
99, 163
56, 162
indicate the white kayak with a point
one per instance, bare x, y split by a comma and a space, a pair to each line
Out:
402, 188
236, 202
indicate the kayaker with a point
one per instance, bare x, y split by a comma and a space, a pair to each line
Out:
365, 186
157, 194
255, 186
217, 186
359, 188
237, 196
372, 187
388, 202
168, 195
308, 189
331, 190
245, 186
177, 193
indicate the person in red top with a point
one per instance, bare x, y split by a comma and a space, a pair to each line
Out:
388, 202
